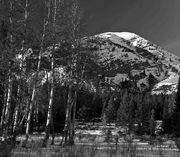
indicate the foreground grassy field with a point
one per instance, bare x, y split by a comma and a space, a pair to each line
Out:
95, 142
125, 150
119, 148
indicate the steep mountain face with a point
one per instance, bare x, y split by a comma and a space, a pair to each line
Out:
124, 56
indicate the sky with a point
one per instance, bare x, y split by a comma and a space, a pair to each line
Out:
155, 20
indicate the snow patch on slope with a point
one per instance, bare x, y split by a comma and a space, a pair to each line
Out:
120, 38
124, 35
167, 86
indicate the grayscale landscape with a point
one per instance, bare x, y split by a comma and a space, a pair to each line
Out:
72, 85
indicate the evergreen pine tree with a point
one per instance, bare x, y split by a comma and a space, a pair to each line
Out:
146, 113
176, 114
152, 122
139, 112
122, 113
167, 114
110, 111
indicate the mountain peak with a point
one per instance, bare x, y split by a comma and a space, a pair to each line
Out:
126, 54
124, 35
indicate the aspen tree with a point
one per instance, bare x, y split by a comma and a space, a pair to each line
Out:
49, 113
5, 118
32, 100
74, 82
22, 59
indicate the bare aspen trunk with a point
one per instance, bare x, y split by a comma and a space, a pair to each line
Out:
21, 67
74, 117
30, 111
53, 133
70, 102
73, 100
7, 108
5, 122
49, 113
24, 116
46, 22
4, 109
17, 107
50, 103
15, 119
35, 117
16, 112
16, 116
68, 127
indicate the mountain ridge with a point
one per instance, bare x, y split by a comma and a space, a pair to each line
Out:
122, 54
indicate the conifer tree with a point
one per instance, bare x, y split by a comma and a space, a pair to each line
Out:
123, 111
176, 114
152, 122
146, 113
139, 112
111, 110
167, 113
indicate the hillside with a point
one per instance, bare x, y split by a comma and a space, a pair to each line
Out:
122, 56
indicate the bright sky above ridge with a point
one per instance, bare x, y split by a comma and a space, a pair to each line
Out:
155, 20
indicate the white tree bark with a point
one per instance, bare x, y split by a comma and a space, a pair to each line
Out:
5, 123
4, 109
16, 112
68, 138
7, 109
49, 113
46, 22
69, 128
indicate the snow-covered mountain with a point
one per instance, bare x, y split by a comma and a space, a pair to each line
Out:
122, 56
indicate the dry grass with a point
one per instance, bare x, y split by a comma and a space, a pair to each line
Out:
111, 148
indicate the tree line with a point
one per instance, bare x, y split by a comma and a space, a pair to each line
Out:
132, 108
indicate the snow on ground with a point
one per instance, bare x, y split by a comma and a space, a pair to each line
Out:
167, 86
90, 132
172, 79
124, 35
119, 38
